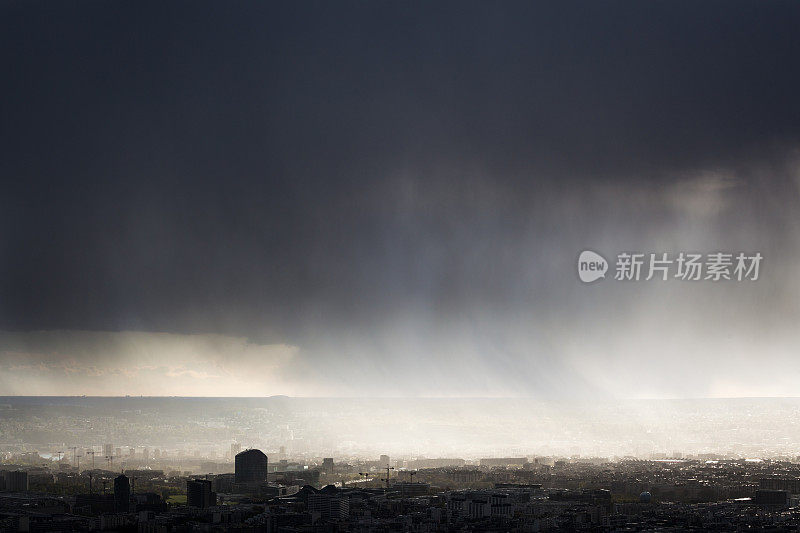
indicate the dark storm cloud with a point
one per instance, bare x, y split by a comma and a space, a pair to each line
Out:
394, 178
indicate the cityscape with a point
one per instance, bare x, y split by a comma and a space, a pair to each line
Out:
371, 266
275, 464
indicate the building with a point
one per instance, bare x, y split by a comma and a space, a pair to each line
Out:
327, 465
250, 467
122, 494
213, 467
149, 502
409, 489
329, 506
418, 464
15, 481
772, 497
199, 494
503, 461
93, 504
790, 485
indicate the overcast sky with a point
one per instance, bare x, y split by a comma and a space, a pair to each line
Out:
361, 198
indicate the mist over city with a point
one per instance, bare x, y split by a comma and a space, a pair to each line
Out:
392, 266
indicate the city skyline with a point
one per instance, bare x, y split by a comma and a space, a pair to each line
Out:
358, 266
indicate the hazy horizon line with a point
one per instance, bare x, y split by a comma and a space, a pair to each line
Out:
555, 399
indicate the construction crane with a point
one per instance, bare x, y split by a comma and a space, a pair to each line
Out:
387, 475
411, 474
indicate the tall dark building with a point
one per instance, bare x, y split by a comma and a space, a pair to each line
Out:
16, 481
122, 494
199, 494
251, 467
